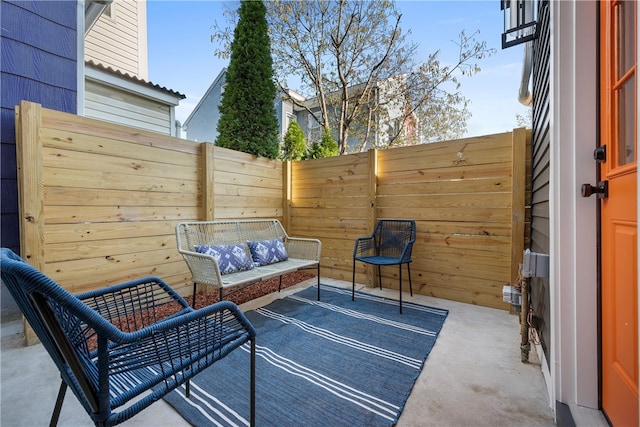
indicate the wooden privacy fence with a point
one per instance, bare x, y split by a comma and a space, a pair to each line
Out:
467, 197
99, 203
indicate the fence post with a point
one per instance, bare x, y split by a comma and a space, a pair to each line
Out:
518, 190
286, 195
30, 182
373, 207
208, 182
30, 191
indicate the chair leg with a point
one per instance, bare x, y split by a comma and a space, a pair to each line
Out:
410, 287
353, 282
280, 284
252, 402
318, 281
193, 299
56, 410
379, 277
187, 387
400, 285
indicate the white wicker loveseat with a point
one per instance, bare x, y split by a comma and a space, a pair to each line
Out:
216, 252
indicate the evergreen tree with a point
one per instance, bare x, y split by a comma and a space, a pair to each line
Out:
295, 145
248, 121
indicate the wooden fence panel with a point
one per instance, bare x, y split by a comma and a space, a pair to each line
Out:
99, 203
460, 194
101, 200
246, 186
330, 201
111, 196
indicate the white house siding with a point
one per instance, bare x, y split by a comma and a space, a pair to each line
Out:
573, 237
120, 41
115, 105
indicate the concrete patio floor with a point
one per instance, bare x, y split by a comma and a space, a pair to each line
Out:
473, 376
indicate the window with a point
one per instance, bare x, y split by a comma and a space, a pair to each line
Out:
109, 12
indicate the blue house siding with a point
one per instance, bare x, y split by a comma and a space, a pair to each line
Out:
202, 124
38, 63
38, 46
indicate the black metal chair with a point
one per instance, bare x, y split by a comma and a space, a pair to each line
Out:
390, 244
112, 346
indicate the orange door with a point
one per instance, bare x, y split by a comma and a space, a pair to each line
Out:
619, 235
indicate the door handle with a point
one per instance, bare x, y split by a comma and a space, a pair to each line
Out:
602, 190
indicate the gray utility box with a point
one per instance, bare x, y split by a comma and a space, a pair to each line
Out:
535, 264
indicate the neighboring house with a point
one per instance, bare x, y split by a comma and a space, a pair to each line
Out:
586, 312
43, 46
202, 123
121, 98
376, 125
118, 37
116, 85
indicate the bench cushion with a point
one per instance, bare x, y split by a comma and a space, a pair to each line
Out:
230, 258
267, 252
266, 272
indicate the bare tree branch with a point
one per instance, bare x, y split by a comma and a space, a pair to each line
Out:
360, 76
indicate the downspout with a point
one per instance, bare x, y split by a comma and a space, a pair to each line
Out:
524, 95
525, 98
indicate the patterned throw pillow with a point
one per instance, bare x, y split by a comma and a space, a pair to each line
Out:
268, 251
230, 258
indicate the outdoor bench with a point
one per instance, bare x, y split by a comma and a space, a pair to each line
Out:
227, 254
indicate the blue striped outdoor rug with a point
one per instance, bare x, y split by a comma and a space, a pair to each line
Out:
329, 363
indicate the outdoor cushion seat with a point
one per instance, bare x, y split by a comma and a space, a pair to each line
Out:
390, 243
124, 347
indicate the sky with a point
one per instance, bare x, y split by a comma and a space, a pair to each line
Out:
181, 54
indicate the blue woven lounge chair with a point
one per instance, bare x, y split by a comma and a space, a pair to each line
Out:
111, 346
390, 244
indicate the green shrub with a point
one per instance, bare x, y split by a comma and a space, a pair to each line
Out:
327, 147
295, 144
